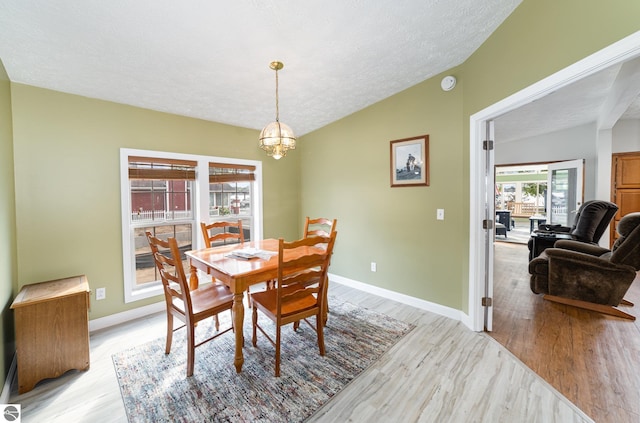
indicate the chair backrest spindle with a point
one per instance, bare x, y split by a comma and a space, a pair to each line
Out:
220, 232
319, 227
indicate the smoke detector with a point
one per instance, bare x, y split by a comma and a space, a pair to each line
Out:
448, 83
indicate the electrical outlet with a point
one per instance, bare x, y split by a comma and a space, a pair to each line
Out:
101, 293
440, 214
373, 266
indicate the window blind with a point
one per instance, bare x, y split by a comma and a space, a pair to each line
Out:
225, 172
159, 169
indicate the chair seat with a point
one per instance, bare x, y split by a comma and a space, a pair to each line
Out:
211, 297
267, 301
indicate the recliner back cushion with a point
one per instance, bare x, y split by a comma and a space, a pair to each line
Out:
626, 249
592, 219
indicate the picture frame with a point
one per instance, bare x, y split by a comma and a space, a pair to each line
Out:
410, 162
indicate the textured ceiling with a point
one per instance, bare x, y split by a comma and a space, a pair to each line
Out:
210, 60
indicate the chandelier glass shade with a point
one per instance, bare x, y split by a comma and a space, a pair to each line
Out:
277, 138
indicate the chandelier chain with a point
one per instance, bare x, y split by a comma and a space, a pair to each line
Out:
277, 102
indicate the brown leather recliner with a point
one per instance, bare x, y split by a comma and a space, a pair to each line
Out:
591, 220
589, 276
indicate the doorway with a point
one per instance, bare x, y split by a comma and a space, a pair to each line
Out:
482, 187
521, 191
529, 194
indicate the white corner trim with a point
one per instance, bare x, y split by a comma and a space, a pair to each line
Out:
401, 298
125, 316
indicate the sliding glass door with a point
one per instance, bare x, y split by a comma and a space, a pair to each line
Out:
564, 193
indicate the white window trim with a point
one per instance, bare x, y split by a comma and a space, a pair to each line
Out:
200, 209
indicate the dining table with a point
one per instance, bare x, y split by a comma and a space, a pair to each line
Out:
222, 263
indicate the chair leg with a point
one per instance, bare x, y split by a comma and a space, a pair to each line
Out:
601, 308
325, 312
254, 320
278, 330
191, 348
167, 348
320, 330
215, 318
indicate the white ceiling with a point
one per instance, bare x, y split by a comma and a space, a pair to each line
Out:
602, 98
210, 59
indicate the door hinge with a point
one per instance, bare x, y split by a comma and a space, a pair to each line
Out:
487, 145
487, 224
487, 302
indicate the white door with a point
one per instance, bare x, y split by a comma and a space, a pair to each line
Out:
564, 191
489, 216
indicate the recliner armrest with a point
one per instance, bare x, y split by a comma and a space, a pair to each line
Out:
567, 257
581, 247
586, 277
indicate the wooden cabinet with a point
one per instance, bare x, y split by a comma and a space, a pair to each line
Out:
625, 186
52, 329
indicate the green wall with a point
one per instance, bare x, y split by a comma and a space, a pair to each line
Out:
8, 256
346, 175
67, 173
345, 165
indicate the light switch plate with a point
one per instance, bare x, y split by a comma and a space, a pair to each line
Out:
440, 214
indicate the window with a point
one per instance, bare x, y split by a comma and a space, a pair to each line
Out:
230, 193
169, 195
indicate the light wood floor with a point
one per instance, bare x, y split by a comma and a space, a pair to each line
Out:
439, 372
592, 359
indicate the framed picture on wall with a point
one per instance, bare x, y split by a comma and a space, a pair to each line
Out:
410, 162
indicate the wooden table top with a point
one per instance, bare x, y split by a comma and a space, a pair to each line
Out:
240, 273
218, 258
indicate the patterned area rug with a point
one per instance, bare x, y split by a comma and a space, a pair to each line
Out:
155, 388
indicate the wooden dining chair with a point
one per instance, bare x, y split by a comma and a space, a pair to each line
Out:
220, 232
292, 300
319, 227
189, 306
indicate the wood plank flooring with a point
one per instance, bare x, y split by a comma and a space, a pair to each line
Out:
592, 359
440, 372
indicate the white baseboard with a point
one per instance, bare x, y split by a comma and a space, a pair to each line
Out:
114, 319
11, 375
125, 316
401, 298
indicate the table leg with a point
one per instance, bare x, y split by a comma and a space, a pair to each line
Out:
193, 279
238, 319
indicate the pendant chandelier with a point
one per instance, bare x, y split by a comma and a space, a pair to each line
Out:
276, 138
